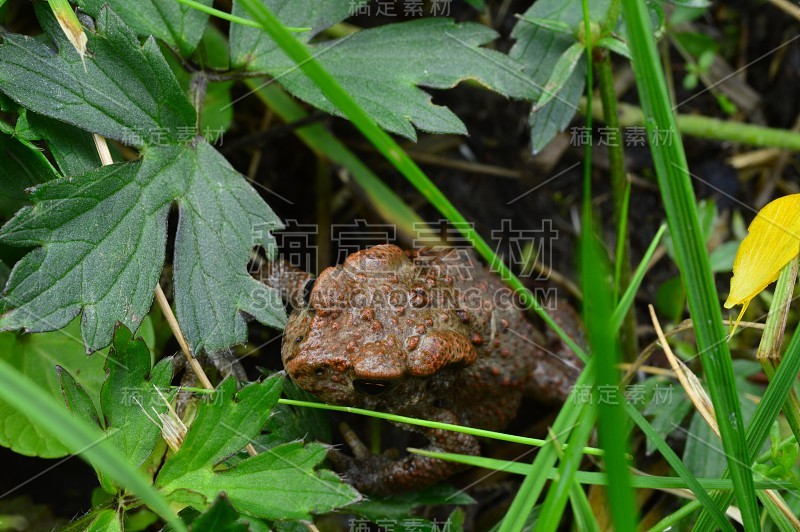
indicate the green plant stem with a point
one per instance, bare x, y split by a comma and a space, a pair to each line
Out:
481, 433
619, 195
769, 349
711, 128
384, 143
599, 302
681, 209
676, 517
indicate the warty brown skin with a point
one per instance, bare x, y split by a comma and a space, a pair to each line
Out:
427, 334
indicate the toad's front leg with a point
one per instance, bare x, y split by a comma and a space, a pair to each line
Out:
384, 474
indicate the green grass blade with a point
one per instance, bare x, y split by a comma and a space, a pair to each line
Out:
231, 18
679, 203
636, 281
80, 438
394, 418
562, 486
298, 52
584, 515
679, 467
766, 412
620, 254
611, 425
595, 478
536, 477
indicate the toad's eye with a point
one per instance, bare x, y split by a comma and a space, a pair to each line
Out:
309, 286
298, 339
372, 386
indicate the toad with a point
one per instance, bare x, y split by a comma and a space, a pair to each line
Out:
430, 334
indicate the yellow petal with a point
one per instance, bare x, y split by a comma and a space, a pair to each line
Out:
773, 240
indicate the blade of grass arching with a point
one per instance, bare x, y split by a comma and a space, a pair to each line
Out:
437, 425
635, 282
534, 482
672, 520
298, 52
679, 467
692, 258
324, 144
231, 18
80, 438
766, 412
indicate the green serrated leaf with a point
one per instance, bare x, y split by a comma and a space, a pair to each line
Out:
103, 236
539, 50
222, 218
37, 356
382, 68
177, 25
223, 426
562, 72
72, 148
551, 119
279, 483
127, 391
125, 91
